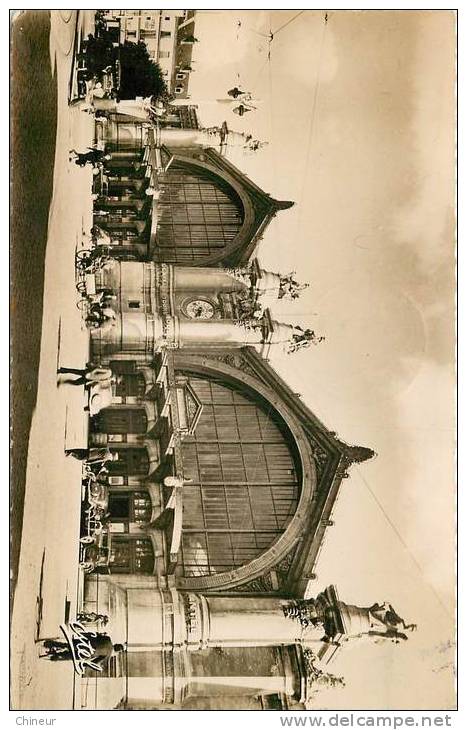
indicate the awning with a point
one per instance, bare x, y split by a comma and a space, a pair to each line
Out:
179, 411
155, 165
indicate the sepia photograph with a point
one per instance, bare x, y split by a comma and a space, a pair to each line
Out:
233, 360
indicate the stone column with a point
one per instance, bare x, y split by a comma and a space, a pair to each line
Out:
177, 137
131, 332
243, 621
198, 278
190, 645
218, 332
156, 670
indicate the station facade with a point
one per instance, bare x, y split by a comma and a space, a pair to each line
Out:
223, 482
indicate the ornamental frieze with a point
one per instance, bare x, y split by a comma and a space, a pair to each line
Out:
263, 584
320, 456
236, 361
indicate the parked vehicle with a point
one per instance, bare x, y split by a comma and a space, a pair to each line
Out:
94, 509
94, 556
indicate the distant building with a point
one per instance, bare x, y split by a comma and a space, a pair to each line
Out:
185, 116
158, 30
183, 65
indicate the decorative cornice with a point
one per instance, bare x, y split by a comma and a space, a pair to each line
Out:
235, 360
263, 584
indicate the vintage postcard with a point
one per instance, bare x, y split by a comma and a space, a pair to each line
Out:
233, 360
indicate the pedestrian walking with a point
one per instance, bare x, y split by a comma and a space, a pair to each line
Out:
98, 380
100, 643
93, 156
88, 376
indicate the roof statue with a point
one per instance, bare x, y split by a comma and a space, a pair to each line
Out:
262, 282
289, 288
341, 621
250, 323
285, 286
224, 137
302, 338
387, 624
235, 92
248, 306
242, 109
243, 274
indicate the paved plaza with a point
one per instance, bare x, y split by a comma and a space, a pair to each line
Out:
47, 584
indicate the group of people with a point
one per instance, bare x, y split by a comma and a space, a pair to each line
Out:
96, 461
96, 81
100, 312
98, 381
99, 642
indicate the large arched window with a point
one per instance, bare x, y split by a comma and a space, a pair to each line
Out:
244, 487
198, 214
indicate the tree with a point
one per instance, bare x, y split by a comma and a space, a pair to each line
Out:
98, 53
140, 76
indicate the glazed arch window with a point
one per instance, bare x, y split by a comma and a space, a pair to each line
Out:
199, 214
245, 480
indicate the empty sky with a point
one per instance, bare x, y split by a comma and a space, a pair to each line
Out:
358, 113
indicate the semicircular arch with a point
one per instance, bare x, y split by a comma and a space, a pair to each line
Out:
282, 546
244, 233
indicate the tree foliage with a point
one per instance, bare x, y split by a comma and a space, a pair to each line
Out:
140, 76
99, 53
